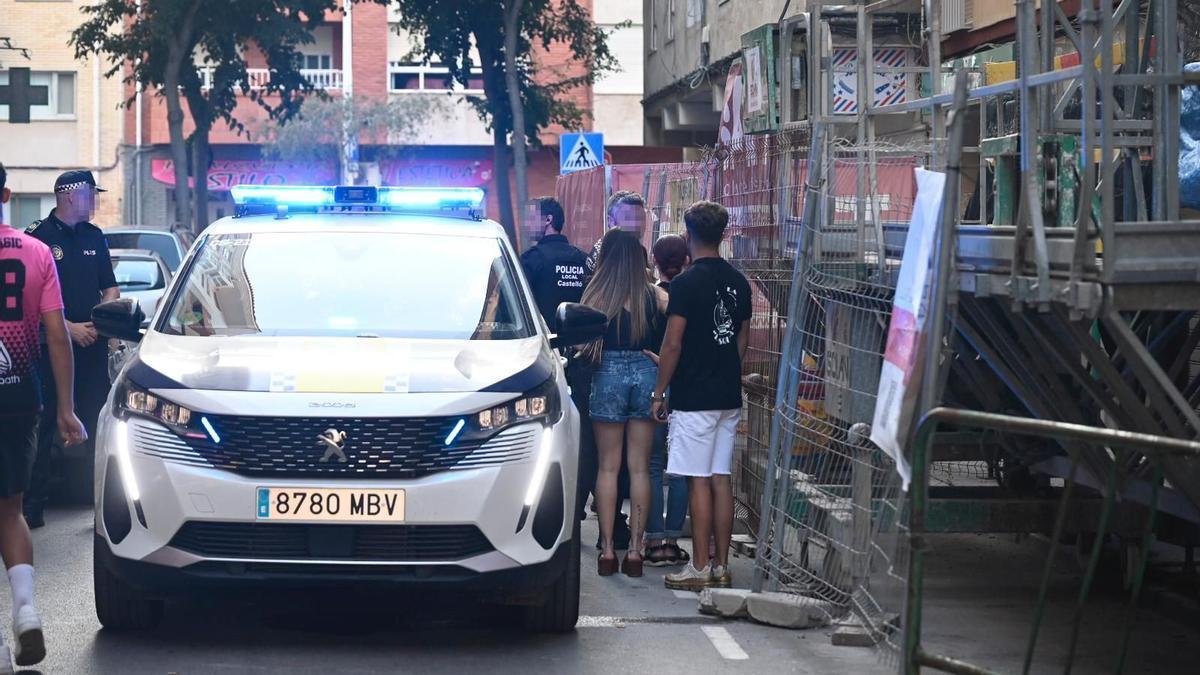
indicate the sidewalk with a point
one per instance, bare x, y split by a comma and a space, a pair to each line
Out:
643, 603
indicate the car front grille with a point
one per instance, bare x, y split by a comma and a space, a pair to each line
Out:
274, 541
374, 447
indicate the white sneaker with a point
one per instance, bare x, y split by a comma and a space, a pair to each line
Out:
721, 578
28, 639
689, 578
6, 664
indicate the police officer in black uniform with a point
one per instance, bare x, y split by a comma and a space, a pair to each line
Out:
86, 275
556, 270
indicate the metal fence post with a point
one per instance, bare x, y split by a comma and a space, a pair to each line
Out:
786, 390
932, 380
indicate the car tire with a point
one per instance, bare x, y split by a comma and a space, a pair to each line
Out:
119, 607
559, 610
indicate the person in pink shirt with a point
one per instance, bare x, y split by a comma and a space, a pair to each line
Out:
29, 297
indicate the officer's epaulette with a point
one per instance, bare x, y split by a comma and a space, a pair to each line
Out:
33, 226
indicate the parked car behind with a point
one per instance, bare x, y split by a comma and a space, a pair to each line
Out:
172, 245
144, 276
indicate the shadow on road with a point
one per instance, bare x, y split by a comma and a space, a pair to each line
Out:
305, 630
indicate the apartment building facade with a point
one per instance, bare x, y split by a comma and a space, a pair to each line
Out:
690, 47
75, 121
365, 54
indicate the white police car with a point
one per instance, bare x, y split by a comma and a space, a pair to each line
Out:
343, 386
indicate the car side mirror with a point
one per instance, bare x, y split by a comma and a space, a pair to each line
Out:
121, 318
577, 324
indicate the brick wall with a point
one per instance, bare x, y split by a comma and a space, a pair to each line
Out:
557, 64
370, 50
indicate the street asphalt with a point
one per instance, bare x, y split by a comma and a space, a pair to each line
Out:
626, 625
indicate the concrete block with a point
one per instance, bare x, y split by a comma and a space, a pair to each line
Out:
789, 611
852, 636
726, 602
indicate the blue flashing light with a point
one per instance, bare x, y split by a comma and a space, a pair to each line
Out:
282, 195
211, 431
455, 431
433, 198
398, 198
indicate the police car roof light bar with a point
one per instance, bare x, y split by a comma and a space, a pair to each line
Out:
282, 195
390, 198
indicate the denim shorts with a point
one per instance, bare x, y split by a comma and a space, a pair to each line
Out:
622, 386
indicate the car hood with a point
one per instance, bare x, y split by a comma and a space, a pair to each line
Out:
340, 365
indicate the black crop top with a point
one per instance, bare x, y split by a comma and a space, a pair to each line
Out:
618, 337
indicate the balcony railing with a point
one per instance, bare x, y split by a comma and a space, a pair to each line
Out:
260, 77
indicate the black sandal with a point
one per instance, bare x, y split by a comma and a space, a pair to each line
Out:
659, 556
680, 556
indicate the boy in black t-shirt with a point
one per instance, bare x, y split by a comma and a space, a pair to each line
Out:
701, 361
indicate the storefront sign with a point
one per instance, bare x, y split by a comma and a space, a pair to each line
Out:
225, 173
437, 172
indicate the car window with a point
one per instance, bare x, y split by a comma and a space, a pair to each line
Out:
137, 275
350, 284
162, 243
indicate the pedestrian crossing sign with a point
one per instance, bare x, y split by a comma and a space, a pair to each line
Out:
580, 151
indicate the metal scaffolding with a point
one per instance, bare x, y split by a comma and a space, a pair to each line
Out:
1074, 303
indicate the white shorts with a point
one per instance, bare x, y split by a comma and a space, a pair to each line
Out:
701, 442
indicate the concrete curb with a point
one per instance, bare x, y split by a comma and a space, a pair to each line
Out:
782, 610
789, 611
725, 602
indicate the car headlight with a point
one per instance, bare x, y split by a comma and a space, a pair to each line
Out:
540, 403
133, 400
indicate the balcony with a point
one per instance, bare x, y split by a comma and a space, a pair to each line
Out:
324, 78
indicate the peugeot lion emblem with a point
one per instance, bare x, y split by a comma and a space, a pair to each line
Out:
334, 442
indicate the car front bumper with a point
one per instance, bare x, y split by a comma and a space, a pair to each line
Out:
525, 546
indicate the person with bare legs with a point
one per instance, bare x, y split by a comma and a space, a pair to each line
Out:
624, 378
29, 295
708, 320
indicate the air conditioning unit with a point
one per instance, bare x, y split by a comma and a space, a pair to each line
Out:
957, 15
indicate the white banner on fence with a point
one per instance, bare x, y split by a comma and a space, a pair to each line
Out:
895, 406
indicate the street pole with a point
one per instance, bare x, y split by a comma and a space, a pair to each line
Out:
349, 163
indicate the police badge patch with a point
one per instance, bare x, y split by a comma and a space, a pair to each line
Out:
57, 251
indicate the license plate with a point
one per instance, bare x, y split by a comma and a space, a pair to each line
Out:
347, 505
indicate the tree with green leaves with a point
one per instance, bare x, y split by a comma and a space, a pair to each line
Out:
323, 128
449, 32
194, 52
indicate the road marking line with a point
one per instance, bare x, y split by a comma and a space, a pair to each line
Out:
724, 643
686, 595
623, 621
600, 622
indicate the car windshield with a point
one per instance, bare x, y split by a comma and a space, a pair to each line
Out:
137, 275
350, 284
162, 243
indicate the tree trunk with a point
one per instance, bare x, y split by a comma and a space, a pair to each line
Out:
200, 162
179, 53
502, 159
202, 120
493, 90
512, 22
175, 132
